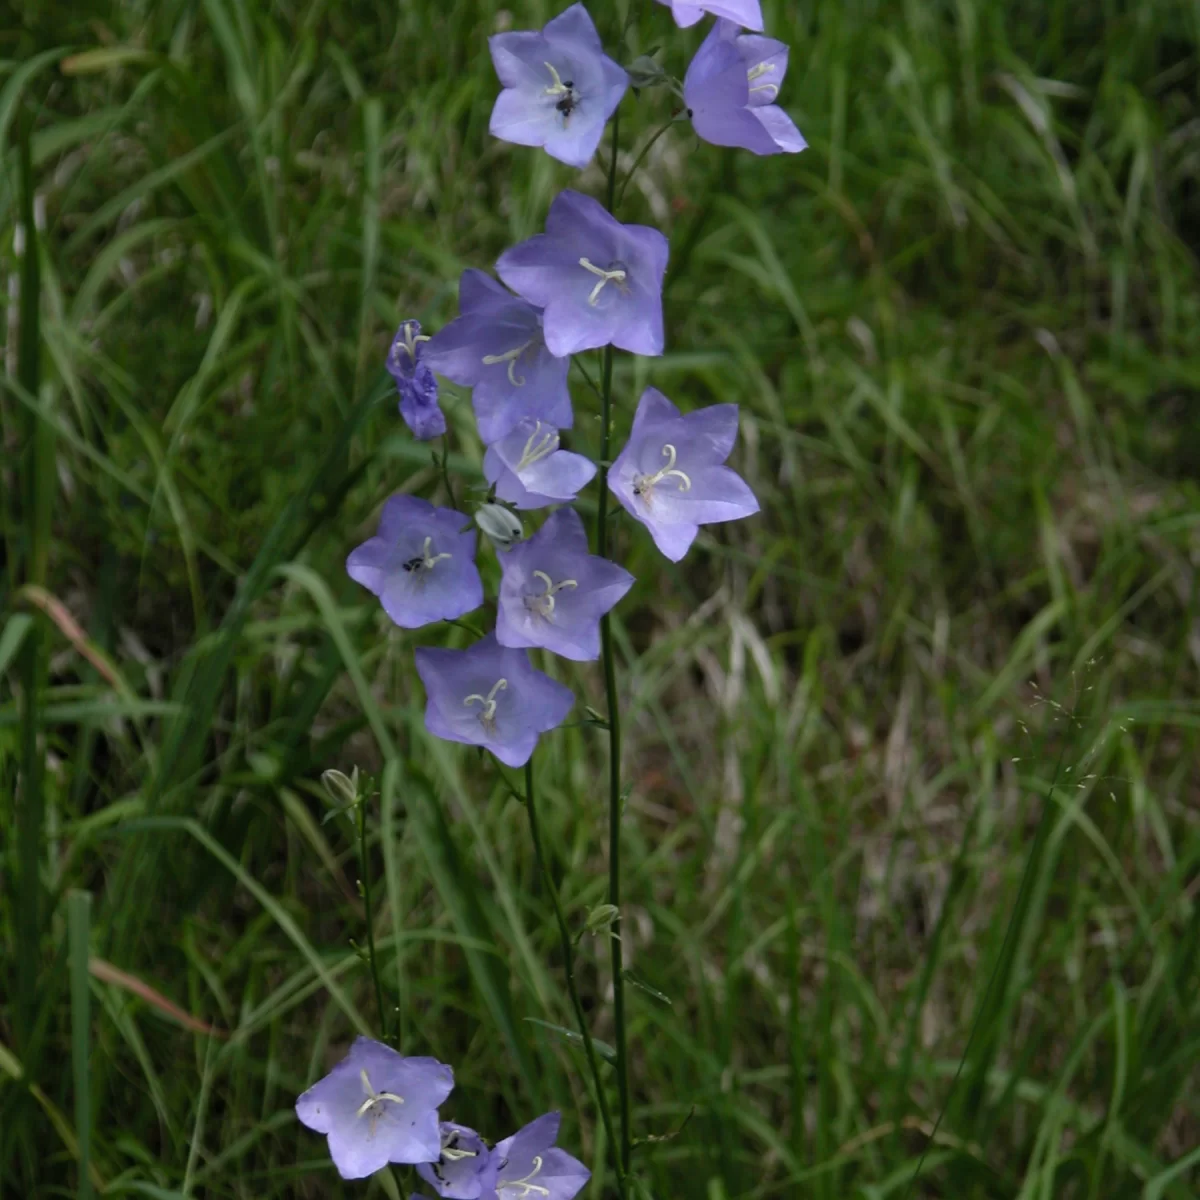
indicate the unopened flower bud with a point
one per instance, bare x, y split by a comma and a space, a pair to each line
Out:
644, 72
499, 524
601, 918
340, 788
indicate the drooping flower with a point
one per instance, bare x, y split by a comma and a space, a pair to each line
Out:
747, 13
490, 696
553, 592
560, 87
597, 280
466, 1167
670, 474
496, 347
531, 1164
730, 90
415, 382
421, 563
378, 1107
530, 471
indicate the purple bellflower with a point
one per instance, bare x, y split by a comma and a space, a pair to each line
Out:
598, 281
378, 1107
490, 696
415, 382
466, 1167
560, 87
747, 13
730, 91
530, 1163
496, 347
670, 474
421, 564
554, 592
530, 471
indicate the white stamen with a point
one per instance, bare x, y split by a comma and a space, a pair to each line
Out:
410, 341
543, 604
763, 68
457, 1154
537, 448
557, 88
643, 485
524, 1184
488, 716
511, 357
425, 560
616, 275
374, 1100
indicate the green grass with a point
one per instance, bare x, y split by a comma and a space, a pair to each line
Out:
913, 837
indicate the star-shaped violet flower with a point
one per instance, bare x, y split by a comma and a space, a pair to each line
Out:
670, 474
490, 696
553, 592
496, 347
378, 1107
597, 280
747, 13
730, 88
466, 1168
560, 87
531, 1164
421, 563
415, 382
530, 471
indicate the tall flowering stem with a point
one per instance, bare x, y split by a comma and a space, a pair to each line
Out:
366, 891
568, 948
614, 723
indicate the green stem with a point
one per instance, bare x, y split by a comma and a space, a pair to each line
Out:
637, 162
568, 949
365, 869
614, 727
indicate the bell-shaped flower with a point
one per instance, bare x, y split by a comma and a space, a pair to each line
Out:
378, 1107
466, 1167
421, 563
530, 471
598, 281
530, 1164
553, 592
746, 13
496, 347
560, 87
730, 90
490, 696
415, 382
670, 474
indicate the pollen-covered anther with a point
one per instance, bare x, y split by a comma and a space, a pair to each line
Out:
543, 603
643, 485
512, 357
487, 718
614, 273
524, 1184
426, 560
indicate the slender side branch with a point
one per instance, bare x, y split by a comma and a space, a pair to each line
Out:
365, 869
568, 949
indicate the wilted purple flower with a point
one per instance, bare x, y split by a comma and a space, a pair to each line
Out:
377, 1107
466, 1167
530, 471
421, 564
530, 1163
559, 87
554, 592
670, 477
490, 696
598, 281
496, 347
730, 89
747, 13
415, 382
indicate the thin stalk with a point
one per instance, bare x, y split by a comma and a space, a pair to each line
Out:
568, 949
365, 868
614, 727
637, 162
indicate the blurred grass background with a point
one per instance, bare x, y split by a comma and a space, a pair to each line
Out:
913, 819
